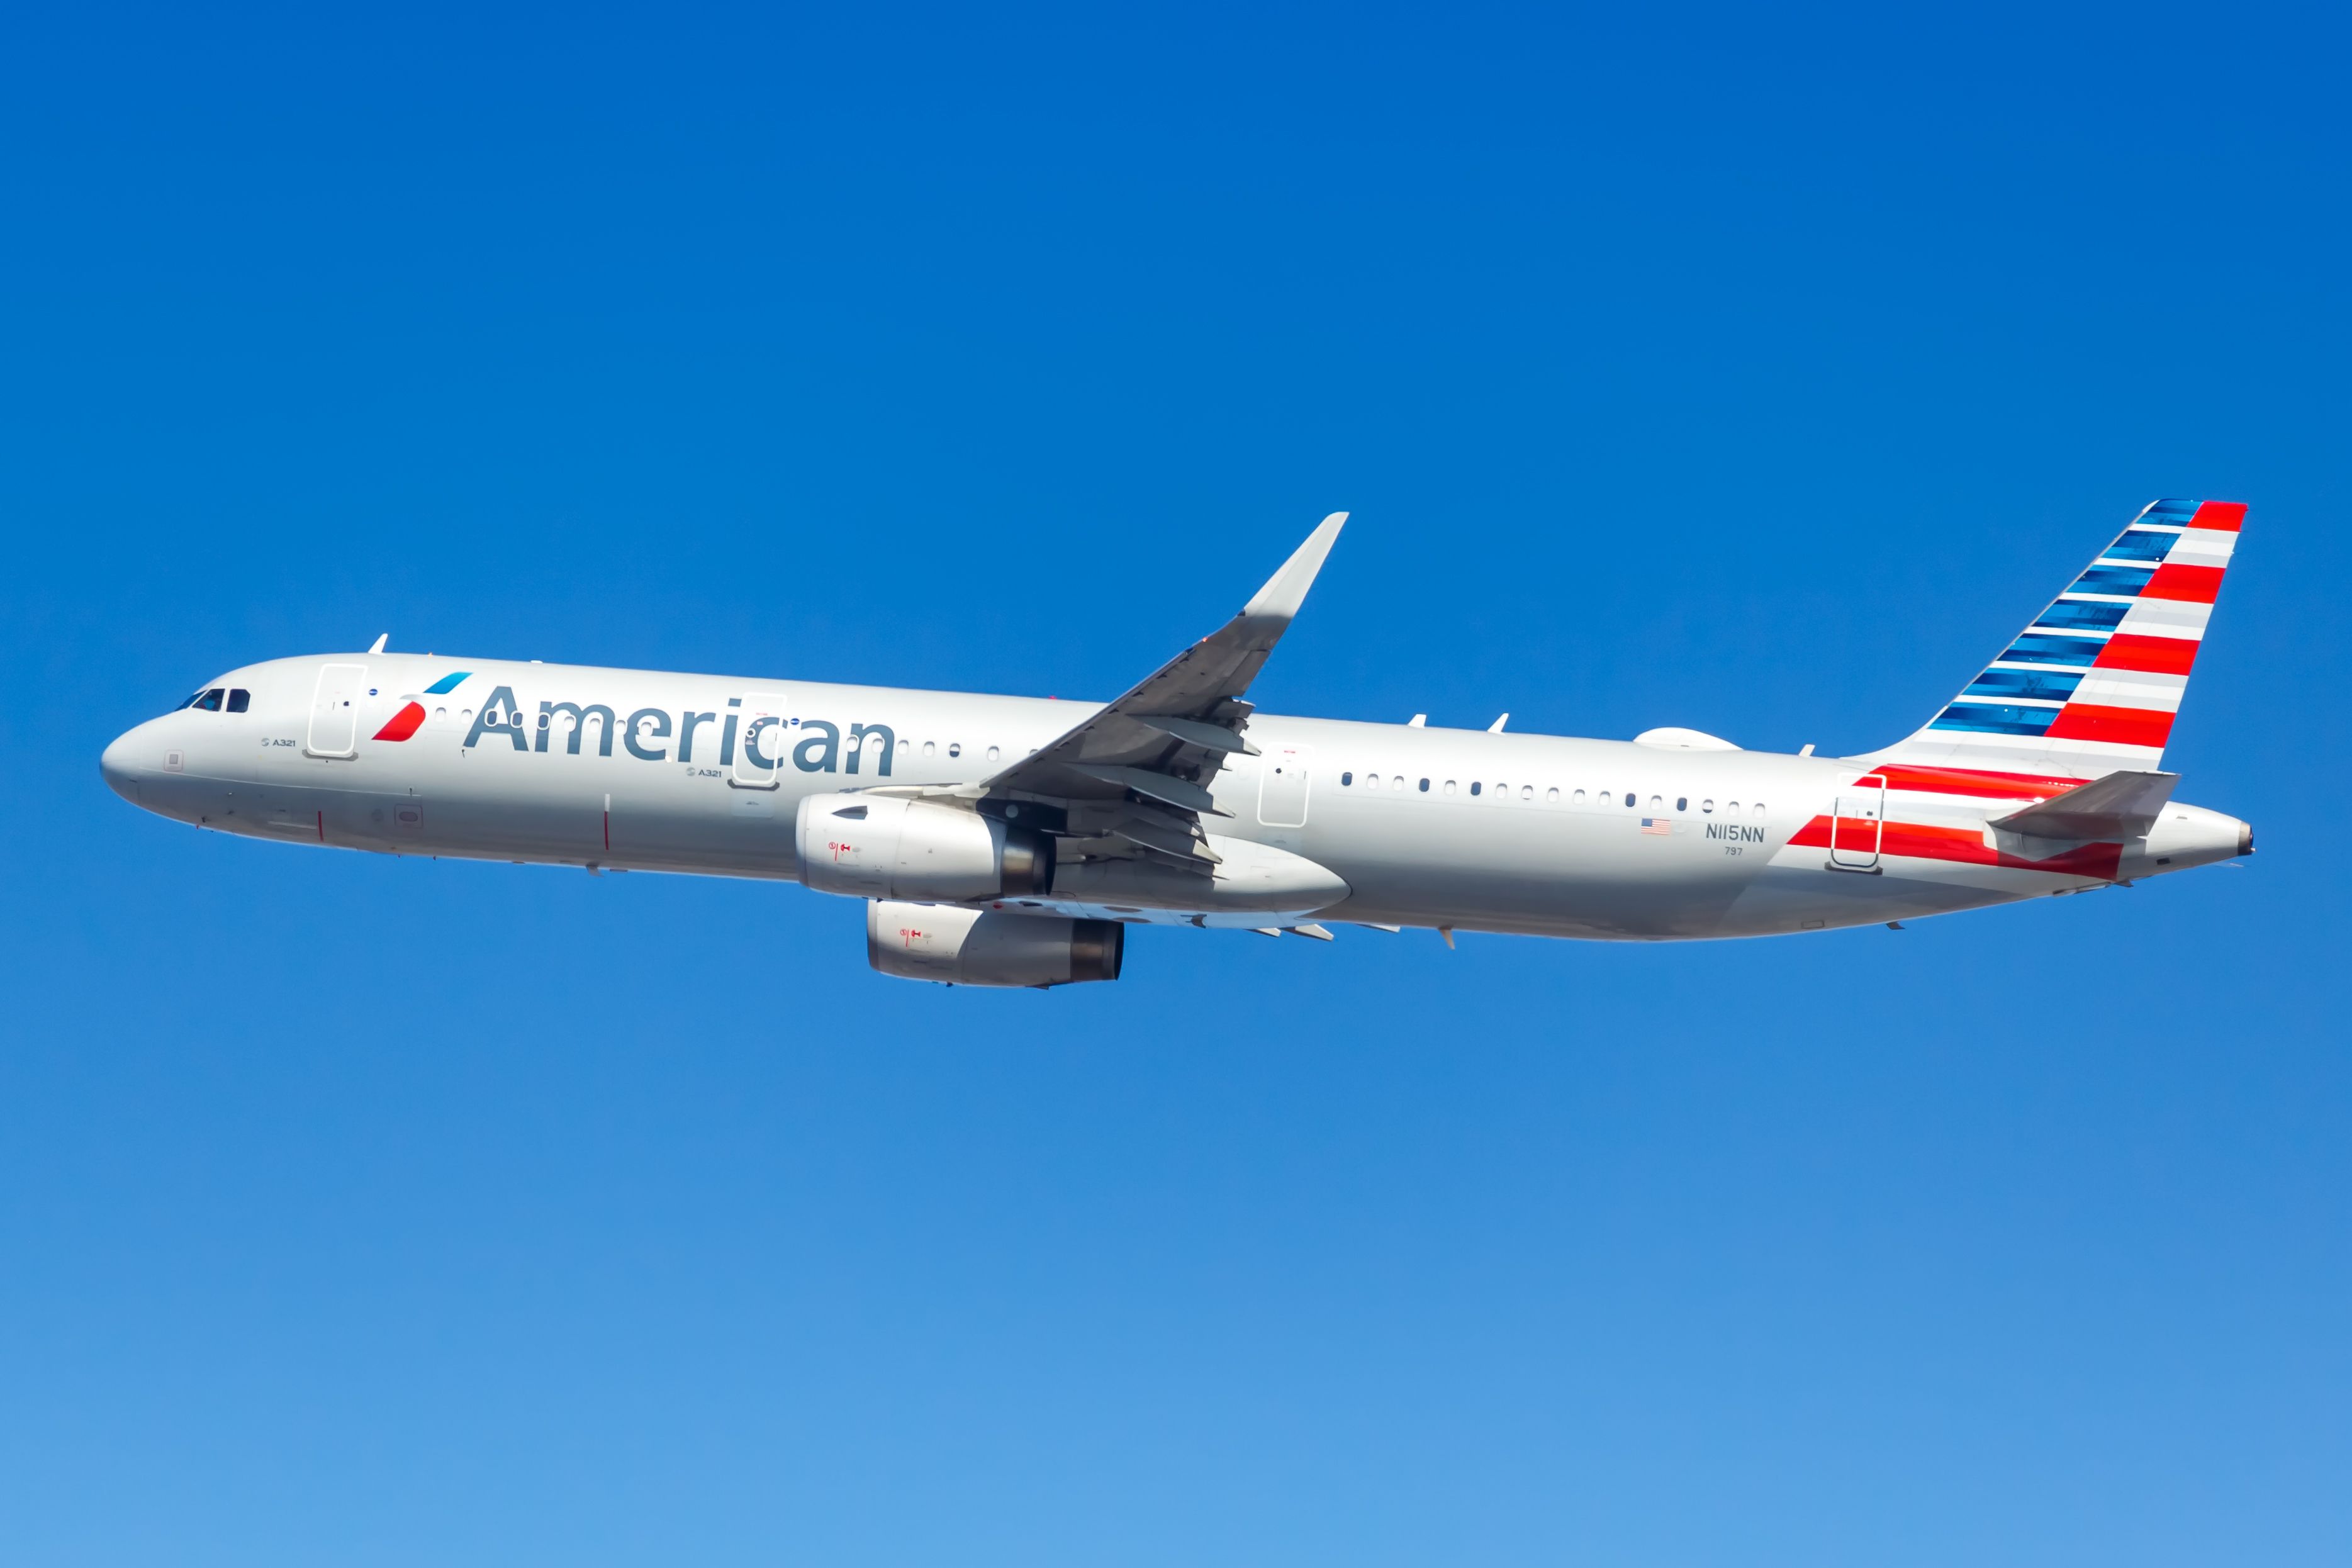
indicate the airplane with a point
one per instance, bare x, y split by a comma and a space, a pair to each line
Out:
1010, 841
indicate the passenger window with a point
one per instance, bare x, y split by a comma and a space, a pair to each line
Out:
1706, 805
1657, 805
955, 748
1449, 786
239, 699
1425, 786
1682, 803
1346, 779
1527, 792
1758, 813
991, 753
211, 700
1551, 794
1371, 781
1580, 798
1475, 787
1731, 808
1628, 799
931, 747
1397, 782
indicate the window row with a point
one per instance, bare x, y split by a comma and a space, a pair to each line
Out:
1398, 784
236, 699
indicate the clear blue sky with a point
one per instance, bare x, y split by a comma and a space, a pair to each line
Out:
1755, 373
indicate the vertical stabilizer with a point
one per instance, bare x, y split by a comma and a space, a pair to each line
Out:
2094, 684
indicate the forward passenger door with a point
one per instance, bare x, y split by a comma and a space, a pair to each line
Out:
334, 710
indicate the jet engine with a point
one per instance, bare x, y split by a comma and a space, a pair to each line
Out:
881, 846
973, 947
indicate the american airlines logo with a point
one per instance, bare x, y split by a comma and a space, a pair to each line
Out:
816, 745
411, 717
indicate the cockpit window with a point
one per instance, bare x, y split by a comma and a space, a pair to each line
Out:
239, 699
211, 700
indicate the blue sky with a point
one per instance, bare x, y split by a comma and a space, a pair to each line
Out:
1755, 373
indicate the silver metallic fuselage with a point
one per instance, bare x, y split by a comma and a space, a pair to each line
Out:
1545, 843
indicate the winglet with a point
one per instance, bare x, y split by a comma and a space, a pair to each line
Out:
1287, 589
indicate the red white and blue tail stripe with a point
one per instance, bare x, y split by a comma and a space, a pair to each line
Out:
2094, 684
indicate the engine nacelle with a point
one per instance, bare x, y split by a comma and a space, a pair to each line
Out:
974, 947
883, 846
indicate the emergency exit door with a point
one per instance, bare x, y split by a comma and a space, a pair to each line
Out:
1282, 786
765, 741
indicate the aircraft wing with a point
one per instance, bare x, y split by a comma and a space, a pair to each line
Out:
1132, 780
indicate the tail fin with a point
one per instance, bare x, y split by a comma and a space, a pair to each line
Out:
2093, 685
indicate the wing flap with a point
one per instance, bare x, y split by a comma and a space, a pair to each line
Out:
1165, 788
1193, 732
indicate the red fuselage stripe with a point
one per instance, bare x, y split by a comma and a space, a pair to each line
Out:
1977, 782
1965, 845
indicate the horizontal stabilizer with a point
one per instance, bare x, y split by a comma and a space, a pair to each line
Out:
2120, 806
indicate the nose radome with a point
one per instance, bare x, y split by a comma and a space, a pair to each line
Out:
115, 765
2246, 838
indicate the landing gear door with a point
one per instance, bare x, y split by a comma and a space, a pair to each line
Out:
334, 710
762, 743
1858, 824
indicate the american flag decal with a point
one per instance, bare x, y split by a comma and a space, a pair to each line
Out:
1662, 826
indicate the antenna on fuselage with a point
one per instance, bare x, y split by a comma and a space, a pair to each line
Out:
1497, 727
377, 645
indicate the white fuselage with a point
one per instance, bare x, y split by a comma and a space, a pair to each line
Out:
1455, 829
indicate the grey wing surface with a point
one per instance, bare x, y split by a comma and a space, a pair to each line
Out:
1131, 781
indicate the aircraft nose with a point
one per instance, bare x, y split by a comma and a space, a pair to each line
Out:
115, 765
